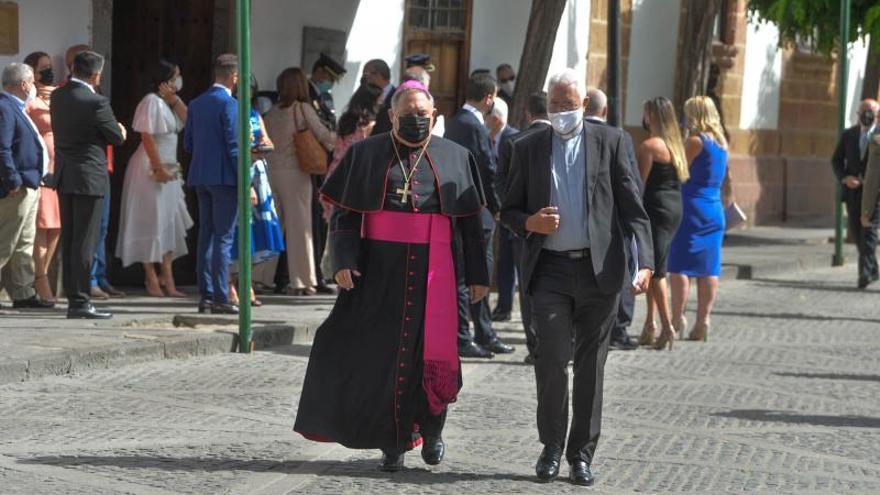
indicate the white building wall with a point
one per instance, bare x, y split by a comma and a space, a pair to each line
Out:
498, 32
653, 48
858, 55
572, 40
42, 27
761, 77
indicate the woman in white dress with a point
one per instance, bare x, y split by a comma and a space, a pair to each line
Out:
154, 218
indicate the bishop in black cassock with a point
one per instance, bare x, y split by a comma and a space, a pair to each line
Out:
384, 365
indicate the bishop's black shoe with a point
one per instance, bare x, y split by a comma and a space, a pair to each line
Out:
433, 450
547, 467
474, 350
581, 474
392, 462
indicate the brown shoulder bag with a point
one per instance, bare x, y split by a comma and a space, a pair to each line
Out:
310, 153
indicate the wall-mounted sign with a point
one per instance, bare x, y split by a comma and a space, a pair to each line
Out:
8, 28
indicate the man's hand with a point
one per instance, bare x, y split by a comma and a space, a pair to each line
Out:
123, 131
852, 182
866, 222
478, 293
643, 280
545, 221
161, 175
344, 278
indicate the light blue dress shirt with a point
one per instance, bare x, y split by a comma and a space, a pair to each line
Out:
568, 192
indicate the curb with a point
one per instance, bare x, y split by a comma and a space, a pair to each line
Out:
135, 352
752, 271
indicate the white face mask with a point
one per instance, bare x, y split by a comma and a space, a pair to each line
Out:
564, 123
32, 93
178, 83
507, 87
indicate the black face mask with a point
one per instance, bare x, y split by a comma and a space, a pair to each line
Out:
867, 118
413, 128
47, 76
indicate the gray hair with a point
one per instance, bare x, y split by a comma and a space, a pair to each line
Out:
598, 102
398, 95
418, 74
500, 109
225, 66
568, 77
14, 74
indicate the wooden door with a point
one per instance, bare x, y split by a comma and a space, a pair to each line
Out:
441, 29
143, 32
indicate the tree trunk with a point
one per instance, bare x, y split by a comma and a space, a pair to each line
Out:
694, 48
537, 50
871, 84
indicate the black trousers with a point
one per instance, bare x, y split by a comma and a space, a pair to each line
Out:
80, 230
567, 304
319, 228
525, 301
865, 238
625, 309
480, 313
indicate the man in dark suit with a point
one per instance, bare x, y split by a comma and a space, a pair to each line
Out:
377, 73
848, 162
536, 115
211, 137
596, 112
84, 125
500, 135
468, 129
506, 83
572, 194
23, 158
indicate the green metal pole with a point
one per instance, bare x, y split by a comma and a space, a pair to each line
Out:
842, 69
243, 17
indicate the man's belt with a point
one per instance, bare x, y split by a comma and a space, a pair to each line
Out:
572, 255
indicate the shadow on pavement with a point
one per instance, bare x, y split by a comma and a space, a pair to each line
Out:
360, 468
803, 419
833, 376
800, 284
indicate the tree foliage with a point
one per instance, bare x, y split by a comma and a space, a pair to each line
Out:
818, 21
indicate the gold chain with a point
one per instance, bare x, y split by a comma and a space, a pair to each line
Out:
407, 177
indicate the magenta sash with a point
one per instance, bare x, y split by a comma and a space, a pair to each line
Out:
441, 370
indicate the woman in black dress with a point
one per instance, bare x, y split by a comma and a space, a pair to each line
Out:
663, 167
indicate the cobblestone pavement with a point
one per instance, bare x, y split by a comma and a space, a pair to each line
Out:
784, 398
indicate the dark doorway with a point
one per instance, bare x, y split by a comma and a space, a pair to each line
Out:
143, 32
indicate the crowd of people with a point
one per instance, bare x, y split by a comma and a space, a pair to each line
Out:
413, 203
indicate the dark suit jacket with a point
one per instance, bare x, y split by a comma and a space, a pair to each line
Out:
83, 125
503, 152
847, 159
615, 202
211, 137
630, 151
383, 120
21, 155
465, 129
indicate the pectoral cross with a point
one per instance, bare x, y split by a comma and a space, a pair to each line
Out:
404, 192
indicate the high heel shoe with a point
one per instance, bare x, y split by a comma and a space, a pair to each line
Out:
667, 337
649, 334
700, 332
679, 325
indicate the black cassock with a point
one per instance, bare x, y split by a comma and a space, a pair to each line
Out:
363, 387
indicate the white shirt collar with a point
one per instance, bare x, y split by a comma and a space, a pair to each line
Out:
595, 118
218, 85
91, 88
470, 108
540, 121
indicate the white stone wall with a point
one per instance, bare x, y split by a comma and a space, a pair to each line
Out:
761, 77
42, 26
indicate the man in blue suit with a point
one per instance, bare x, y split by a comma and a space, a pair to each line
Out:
467, 128
211, 138
22, 163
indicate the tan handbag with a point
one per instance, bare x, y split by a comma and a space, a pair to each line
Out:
310, 153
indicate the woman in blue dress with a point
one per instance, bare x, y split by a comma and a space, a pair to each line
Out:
267, 240
696, 247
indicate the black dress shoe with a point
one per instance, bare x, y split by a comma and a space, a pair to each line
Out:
205, 306
499, 347
500, 316
326, 290
581, 474
392, 462
474, 350
87, 312
224, 309
547, 467
626, 344
433, 450
529, 359
33, 302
